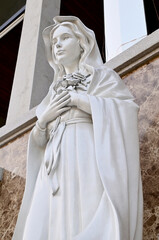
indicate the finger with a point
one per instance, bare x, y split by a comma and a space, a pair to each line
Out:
64, 109
57, 102
59, 96
52, 97
64, 93
66, 97
63, 104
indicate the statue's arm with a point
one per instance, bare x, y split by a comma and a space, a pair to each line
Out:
39, 135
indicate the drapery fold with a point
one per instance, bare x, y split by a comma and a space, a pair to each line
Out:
117, 156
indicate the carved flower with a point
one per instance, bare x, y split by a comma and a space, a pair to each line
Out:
71, 82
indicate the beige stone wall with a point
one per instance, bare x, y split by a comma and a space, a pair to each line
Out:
13, 161
144, 84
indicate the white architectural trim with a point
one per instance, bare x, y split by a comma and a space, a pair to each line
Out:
13, 130
125, 25
137, 55
12, 25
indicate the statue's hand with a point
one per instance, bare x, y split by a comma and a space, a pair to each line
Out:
81, 101
57, 106
74, 98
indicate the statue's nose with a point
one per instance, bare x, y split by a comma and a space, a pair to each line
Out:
58, 44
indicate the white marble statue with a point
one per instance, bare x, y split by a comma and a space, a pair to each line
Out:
83, 176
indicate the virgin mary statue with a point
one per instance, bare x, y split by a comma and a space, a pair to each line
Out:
83, 176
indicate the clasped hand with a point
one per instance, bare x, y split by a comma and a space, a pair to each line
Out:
58, 105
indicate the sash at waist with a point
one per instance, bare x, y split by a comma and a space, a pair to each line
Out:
51, 157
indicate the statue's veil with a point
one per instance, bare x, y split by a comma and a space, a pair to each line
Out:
91, 56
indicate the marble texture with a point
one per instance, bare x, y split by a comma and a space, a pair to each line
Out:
13, 156
13, 161
11, 192
144, 84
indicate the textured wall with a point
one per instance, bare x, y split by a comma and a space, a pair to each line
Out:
13, 161
144, 84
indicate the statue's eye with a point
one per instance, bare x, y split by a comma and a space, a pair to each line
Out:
66, 37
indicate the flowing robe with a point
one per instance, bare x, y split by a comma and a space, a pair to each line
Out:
114, 135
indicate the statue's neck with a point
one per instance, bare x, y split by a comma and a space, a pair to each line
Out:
72, 68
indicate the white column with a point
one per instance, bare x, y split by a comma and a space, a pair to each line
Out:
125, 25
33, 74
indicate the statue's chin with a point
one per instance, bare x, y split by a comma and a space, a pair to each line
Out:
62, 60
67, 59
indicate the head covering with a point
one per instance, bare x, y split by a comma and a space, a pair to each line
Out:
90, 58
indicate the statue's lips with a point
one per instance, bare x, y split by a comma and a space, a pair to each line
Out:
60, 52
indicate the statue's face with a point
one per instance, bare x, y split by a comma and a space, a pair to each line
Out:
66, 46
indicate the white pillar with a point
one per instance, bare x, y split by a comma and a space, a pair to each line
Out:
124, 25
33, 74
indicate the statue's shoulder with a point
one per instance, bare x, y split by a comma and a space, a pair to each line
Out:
105, 72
